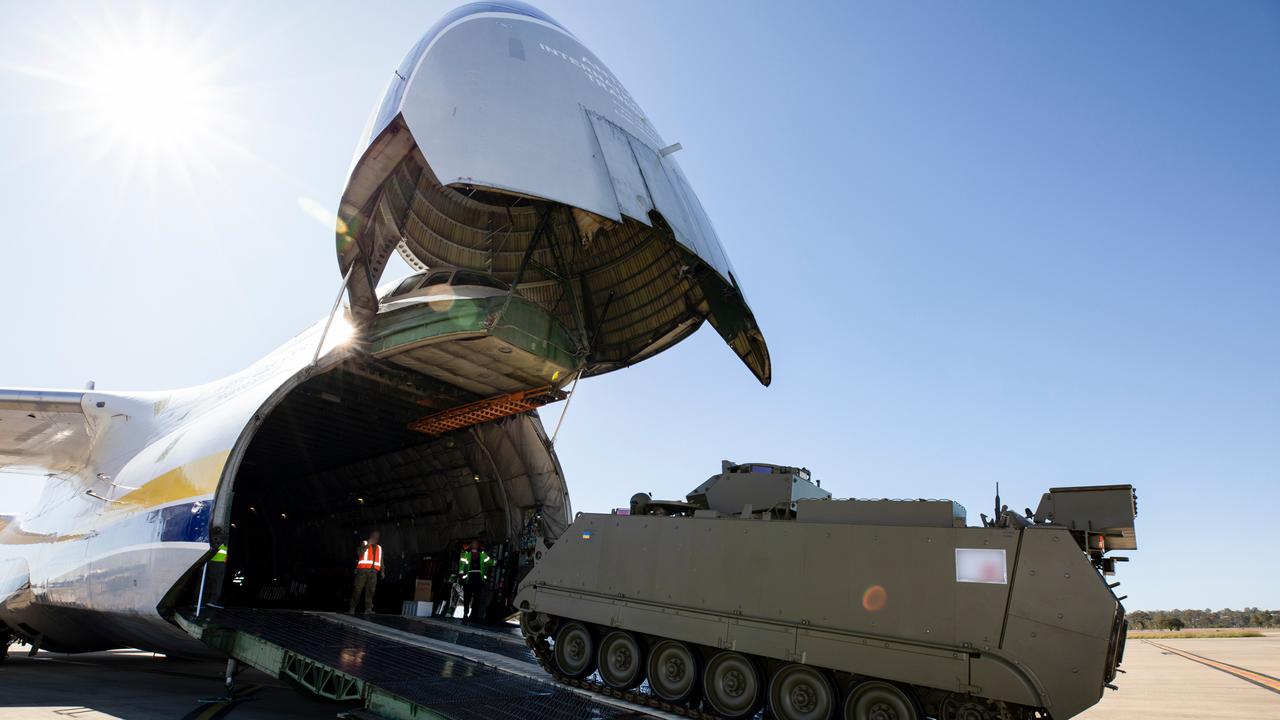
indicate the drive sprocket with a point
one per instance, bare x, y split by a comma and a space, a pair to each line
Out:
968, 707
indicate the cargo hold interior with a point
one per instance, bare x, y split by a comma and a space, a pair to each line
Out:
334, 459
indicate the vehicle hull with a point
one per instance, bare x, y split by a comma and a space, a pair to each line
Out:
869, 601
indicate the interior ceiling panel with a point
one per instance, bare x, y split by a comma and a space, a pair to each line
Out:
628, 284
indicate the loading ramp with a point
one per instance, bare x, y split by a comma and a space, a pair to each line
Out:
399, 668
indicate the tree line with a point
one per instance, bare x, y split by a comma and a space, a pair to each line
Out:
1180, 619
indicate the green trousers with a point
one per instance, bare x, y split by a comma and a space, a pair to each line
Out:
365, 583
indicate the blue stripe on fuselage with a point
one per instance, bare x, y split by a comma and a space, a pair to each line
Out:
183, 522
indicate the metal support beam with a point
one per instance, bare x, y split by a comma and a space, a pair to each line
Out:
229, 685
544, 217
337, 302
566, 282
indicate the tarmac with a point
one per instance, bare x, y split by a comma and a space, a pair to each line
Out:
1159, 684
136, 685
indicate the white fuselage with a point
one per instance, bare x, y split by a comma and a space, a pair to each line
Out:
89, 566
501, 146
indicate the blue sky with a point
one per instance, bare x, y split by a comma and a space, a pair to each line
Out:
987, 242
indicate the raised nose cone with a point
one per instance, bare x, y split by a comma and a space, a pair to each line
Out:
502, 145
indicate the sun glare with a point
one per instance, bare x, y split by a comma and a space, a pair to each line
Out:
148, 94
341, 330
143, 91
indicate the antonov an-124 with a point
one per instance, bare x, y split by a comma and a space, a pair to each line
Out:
554, 237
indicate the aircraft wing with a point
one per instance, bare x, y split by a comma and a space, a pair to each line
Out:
44, 429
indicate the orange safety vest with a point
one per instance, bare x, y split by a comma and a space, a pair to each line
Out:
370, 558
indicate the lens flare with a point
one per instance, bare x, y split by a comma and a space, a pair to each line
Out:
875, 598
321, 214
341, 330
147, 92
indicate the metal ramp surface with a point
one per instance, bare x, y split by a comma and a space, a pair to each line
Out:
473, 637
405, 671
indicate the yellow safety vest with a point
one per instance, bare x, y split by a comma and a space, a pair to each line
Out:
483, 563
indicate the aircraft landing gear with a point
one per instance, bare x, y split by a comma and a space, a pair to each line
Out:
6, 639
229, 684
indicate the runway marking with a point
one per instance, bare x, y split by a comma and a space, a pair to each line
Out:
1263, 681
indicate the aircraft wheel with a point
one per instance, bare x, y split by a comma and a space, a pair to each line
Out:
575, 650
621, 660
673, 671
801, 692
731, 685
7, 638
878, 700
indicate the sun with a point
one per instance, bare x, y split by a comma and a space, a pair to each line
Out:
149, 93
145, 92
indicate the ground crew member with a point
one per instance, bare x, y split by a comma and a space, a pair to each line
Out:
441, 585
215, 571
473, 567
368, 570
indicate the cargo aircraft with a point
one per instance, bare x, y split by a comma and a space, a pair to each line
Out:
554, 237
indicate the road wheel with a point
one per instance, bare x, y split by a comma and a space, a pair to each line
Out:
621, 660
575, 650
878, 700
673, 671
801, 692
731, 685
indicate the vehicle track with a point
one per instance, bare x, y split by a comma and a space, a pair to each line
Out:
542, 651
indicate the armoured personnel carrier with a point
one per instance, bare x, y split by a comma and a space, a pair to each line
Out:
759, 590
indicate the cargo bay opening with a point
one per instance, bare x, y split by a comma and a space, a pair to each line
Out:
333, 458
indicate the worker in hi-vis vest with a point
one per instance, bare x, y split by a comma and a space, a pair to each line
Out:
473, 567
368, 570
214, 573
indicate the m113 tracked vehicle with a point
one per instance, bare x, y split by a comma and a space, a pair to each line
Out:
761, 590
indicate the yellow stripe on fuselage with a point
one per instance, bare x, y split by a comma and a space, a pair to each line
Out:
198, 478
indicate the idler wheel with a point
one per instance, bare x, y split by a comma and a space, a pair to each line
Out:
801, 692
575, 650
621, 660
533, 624
731, 685
673, 671
877, 700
